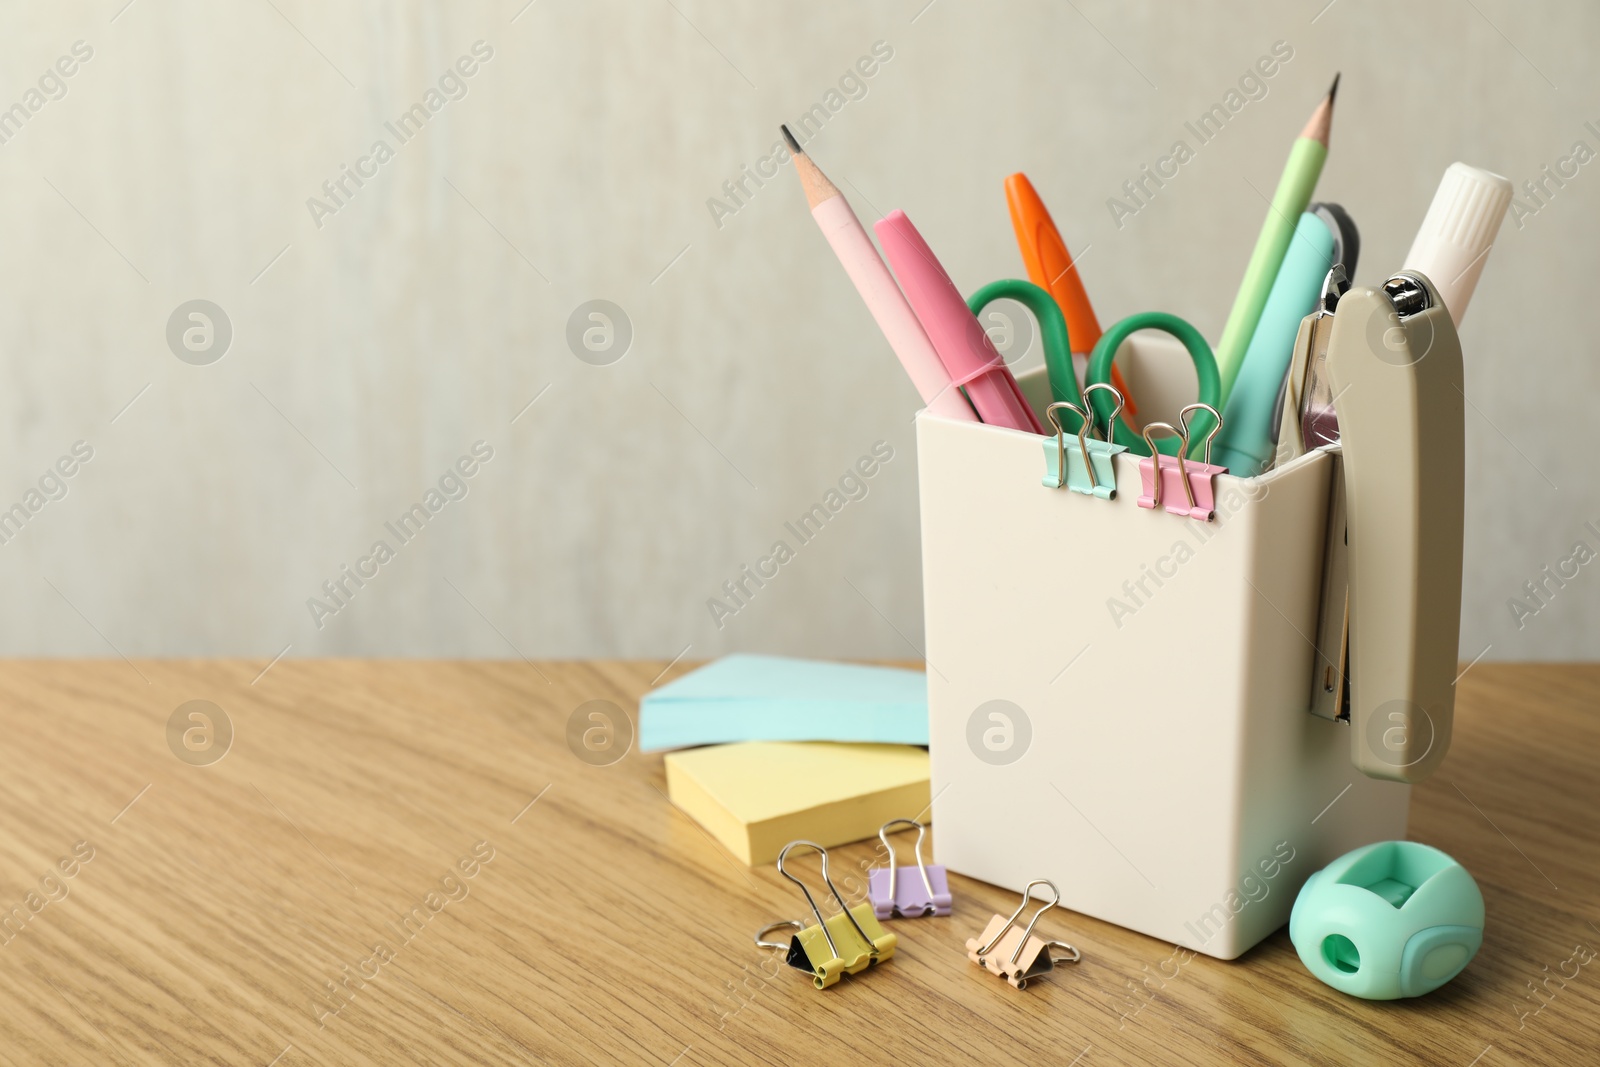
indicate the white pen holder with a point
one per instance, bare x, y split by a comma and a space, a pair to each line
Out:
1118, 696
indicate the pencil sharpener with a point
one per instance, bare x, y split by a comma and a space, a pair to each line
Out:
1395, 919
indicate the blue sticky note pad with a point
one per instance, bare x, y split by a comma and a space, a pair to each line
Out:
776, 698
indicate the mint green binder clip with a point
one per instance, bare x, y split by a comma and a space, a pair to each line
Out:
1081, 463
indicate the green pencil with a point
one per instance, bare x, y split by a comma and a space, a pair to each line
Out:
1288, 203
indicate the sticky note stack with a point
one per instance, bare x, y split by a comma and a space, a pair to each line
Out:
798, 749
757, 796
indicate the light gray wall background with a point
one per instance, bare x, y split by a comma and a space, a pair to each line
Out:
371, 352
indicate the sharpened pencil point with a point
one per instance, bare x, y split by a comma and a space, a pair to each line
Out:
816, 184
1322, 118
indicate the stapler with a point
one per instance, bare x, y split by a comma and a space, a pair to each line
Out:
1391, 614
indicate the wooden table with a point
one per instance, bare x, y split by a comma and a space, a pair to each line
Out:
229, 912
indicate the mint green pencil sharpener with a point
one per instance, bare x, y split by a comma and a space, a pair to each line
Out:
1395, 919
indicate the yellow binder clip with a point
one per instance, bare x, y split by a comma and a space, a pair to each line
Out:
1016, 955
846, 943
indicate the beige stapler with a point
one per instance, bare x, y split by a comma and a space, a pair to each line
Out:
1391, 613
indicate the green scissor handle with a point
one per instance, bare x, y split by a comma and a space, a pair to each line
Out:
1205, 368
1052, 331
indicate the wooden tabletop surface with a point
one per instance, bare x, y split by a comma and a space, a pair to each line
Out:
400, 862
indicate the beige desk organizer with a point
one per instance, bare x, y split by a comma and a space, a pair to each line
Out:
1119, 696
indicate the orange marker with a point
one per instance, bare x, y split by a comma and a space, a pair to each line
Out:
1049, 266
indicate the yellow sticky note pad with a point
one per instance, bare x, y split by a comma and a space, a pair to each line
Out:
757, 796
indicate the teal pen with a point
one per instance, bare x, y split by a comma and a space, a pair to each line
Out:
1246, 443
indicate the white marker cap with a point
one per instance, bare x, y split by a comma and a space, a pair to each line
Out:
1458, 232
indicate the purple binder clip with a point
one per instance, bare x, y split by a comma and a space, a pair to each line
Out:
894, 897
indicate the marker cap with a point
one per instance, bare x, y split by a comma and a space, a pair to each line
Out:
1457, 233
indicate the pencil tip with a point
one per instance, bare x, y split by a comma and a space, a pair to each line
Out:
794, 146
1333, 90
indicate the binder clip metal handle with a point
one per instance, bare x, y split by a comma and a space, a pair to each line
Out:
1149, 435
1069, 953
1103, 452
1116, 395
1084, 423
782, 946
1185, 414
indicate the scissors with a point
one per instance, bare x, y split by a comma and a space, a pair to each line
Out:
1205, 369
1064, 382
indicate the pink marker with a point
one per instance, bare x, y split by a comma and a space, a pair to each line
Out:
878, 289
969, 357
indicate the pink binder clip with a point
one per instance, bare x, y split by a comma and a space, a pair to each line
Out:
907, 898
1182, 486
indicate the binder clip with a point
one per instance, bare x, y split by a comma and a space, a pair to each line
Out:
1018, 956
1197, 481
893, 897
1089, 470
846, 943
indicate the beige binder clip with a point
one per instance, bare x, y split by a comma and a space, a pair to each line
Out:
1016, 955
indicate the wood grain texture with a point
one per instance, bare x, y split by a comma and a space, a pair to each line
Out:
607, 928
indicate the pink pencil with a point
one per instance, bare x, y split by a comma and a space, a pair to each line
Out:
968, 355
878, 289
